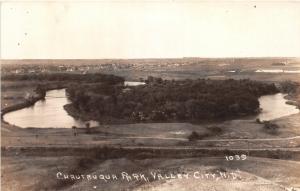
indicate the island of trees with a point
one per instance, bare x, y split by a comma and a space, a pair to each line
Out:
167, 100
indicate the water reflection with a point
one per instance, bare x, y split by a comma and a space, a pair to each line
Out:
46, 113
274, 106
278, 71
127, 83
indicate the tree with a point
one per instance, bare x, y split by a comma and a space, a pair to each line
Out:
74, 130
88, 129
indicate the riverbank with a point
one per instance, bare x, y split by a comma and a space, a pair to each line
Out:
22, 105
28, 99
294, 98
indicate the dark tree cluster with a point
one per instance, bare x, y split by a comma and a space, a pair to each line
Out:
87, 78
41, 90
170, 100
288, 86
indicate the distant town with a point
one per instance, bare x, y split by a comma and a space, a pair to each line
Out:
214, 68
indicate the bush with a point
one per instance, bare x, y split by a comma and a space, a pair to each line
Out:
215, 129
271, 128
194, 136
269, 125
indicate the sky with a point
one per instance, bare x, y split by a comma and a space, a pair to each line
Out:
149, 29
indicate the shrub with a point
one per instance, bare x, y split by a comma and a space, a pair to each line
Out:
194, 136
215, 129
271, 128
258, 121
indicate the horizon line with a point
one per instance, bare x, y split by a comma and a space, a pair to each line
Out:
144, 58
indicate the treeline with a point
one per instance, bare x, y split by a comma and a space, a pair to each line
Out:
288, 86
162, 100
87, 78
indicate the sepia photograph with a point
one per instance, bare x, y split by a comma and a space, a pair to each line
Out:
150, 95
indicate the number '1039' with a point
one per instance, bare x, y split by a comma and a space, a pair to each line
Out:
235, 157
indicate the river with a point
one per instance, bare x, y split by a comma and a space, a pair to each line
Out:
46, 113
50, 112
277, 71
274, 106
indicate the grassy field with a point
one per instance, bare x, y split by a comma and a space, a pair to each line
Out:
40, 173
